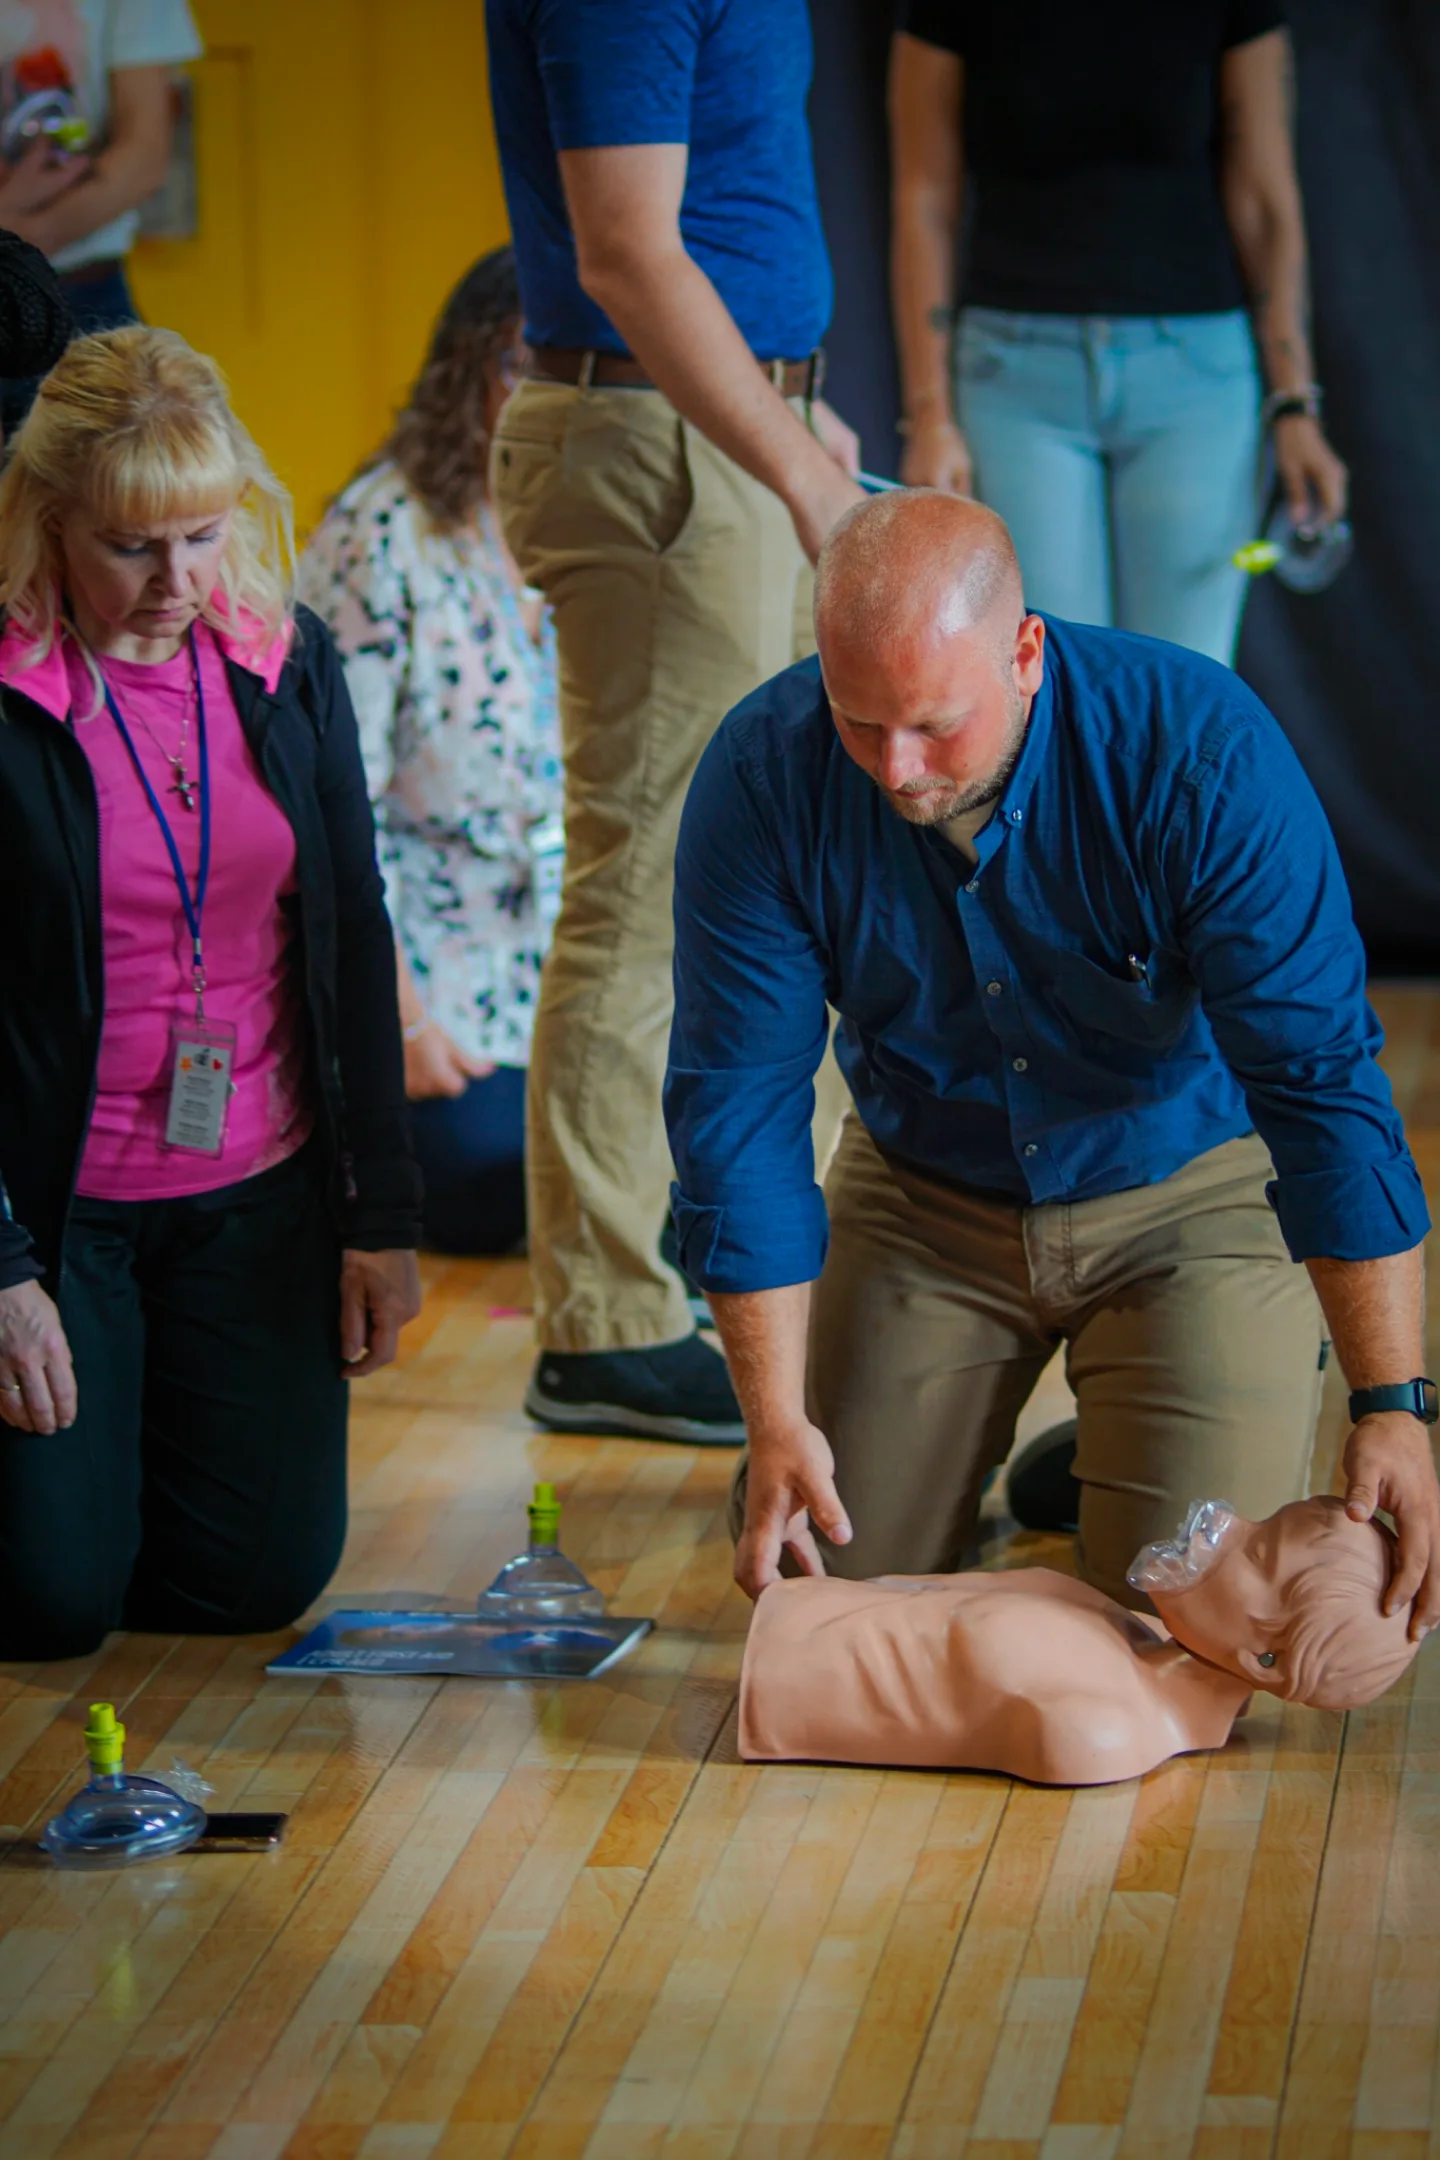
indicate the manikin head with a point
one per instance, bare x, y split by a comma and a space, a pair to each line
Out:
1291, 1604
929, 658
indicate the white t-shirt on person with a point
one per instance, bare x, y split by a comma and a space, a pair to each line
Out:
64, 51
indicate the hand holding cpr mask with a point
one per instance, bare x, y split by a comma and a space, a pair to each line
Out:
1041, 1677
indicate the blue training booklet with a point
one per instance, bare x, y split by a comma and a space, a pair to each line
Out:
456, 1642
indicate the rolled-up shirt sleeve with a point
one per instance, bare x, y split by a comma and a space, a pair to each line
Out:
1271, 941
749, 1031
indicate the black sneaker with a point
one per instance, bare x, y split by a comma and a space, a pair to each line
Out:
1043, 1488
677, 1391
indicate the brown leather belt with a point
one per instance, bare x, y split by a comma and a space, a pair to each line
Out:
91, 273
614, 371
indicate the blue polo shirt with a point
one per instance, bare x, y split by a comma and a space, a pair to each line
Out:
727, 77
1155, 954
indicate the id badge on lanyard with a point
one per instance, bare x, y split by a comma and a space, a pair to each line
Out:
202, 1062
202, 1051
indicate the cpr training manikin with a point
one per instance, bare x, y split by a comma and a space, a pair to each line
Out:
1039, 1676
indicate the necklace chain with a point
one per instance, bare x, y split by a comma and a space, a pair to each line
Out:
181, 785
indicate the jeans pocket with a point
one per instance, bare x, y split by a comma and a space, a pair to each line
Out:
979, 353
1218, 348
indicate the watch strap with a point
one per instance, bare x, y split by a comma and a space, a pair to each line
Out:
1418, 1397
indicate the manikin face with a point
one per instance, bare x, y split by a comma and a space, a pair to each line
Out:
937, 723
1291, 1604
147, 582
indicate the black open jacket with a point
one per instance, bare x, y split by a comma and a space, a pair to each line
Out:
52, 982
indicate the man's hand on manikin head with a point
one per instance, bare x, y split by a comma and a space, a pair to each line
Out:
1388, 1464
929, 658
1292, 1604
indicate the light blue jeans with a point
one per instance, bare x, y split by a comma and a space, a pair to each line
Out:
1123, 456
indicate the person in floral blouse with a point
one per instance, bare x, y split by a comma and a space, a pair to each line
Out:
451, 668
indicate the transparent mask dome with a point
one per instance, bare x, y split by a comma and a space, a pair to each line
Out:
1171, 1565
540, 1584
116, 1818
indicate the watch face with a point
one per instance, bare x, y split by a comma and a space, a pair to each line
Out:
1430, 1398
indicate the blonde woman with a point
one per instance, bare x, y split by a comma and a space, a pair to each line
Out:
208, 1208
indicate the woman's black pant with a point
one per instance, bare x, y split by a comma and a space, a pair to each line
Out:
201, 1488
471, 1152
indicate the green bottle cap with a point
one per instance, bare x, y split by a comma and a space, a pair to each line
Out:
544, 1515
104, 1738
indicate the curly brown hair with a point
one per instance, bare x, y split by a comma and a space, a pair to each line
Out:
440, 441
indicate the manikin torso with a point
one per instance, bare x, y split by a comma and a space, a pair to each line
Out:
1026, 1672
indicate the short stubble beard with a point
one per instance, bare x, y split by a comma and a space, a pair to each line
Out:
937, 801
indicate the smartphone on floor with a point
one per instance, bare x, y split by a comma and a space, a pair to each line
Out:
242, 1833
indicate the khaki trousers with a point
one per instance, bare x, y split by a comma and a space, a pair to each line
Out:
677, 586
1192, 1341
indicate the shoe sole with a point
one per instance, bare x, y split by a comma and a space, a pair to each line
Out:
602, 1421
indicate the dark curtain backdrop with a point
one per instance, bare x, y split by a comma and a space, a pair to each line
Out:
847, 114
1352, 674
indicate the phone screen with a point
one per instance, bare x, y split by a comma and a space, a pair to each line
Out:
243, 1833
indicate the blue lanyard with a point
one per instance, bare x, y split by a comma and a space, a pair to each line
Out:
194, 906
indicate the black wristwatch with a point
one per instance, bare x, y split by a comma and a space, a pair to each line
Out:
1420, 1397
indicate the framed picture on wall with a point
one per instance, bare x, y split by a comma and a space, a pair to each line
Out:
172, 212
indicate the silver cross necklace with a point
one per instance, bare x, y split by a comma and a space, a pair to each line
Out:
181, 783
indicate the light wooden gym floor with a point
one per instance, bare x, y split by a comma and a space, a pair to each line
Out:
562, 1921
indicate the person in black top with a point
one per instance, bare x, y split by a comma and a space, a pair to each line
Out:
1133, 190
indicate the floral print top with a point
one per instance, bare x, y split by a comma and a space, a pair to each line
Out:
457, 714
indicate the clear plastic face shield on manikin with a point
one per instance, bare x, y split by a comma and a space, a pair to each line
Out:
1171, 1565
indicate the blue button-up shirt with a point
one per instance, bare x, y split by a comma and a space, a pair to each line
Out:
1155, 954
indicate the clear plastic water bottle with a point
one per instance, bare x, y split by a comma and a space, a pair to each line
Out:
540, 1583
116, 1818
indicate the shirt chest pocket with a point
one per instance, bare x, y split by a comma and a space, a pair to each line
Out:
1151, 1010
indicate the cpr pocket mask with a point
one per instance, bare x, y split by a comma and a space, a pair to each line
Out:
1174, 1564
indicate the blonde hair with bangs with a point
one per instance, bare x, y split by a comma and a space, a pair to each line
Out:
136, 427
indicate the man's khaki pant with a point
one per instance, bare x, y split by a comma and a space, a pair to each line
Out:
1192, 1342
677, 586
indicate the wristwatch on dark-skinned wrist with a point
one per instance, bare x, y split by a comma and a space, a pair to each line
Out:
1420, 1397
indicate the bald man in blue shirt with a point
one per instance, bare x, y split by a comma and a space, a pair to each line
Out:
1103, 1017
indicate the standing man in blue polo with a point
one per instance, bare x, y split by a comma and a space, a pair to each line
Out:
666, 476
1102, 1003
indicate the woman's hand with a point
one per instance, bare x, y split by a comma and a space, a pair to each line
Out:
37, 1380
36, 180
937, 456
379, 1292
435, 1065
1315, 481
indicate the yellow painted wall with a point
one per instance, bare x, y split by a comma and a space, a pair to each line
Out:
347, 176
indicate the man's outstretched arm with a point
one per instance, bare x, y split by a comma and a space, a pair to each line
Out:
791, 1482
1271, 941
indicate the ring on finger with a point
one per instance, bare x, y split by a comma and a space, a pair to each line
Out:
11, 1387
